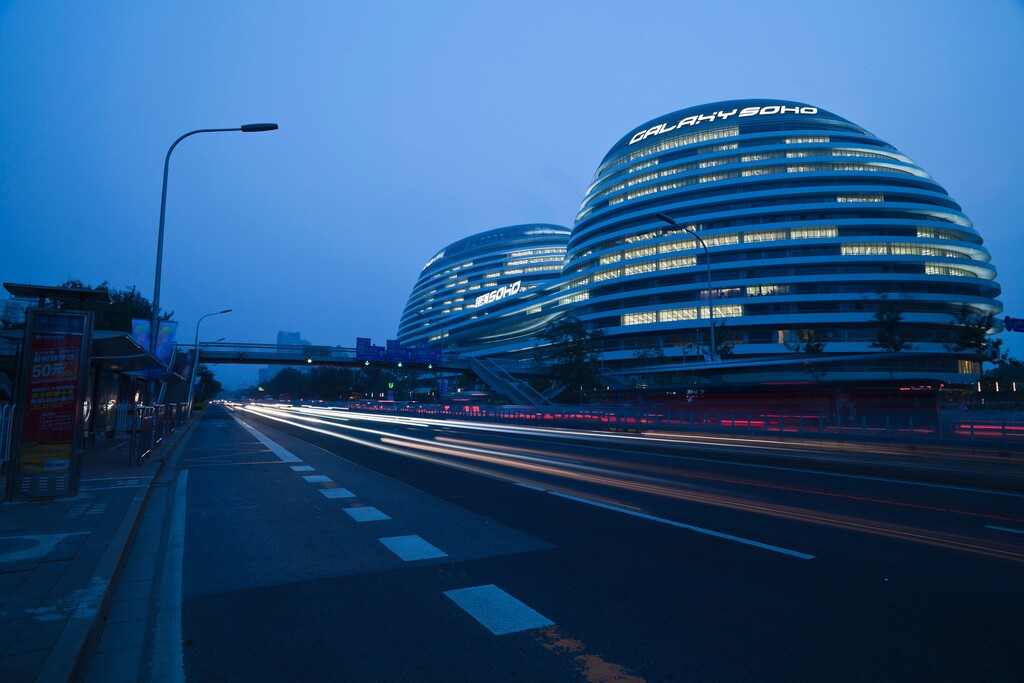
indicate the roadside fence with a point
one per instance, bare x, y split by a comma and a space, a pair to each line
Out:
6, 425
148, 425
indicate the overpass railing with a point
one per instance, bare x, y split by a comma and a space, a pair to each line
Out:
268, 353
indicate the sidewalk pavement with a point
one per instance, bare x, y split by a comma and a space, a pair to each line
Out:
60, 560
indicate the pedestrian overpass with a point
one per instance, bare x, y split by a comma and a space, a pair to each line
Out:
502, 378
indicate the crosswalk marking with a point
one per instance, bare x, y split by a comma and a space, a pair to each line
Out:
496, 610
366, 513
337, 493
411, 548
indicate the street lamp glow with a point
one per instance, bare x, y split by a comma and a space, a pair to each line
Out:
707, 262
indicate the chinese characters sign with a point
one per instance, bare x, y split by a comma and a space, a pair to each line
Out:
51, 394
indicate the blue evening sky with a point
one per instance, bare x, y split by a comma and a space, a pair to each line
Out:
408, 125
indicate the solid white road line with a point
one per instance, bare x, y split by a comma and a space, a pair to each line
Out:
302, 468
337, 493
699, 530
496, 610
168, 656
366, 513
280, 451
316, 478
411, 548
1003, 528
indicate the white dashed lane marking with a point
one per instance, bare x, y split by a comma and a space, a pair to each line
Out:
411, 548
365, 513
496, 610
316, 478
301, 468
337, 493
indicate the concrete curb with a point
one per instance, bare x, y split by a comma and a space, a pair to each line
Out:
69, 658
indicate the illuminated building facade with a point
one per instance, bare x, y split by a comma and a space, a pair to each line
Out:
478, 295
812, 224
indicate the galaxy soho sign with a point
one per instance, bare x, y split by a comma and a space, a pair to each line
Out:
499, 293
770, 110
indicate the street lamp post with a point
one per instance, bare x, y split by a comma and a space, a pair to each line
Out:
195, 356
707, 262
246, 128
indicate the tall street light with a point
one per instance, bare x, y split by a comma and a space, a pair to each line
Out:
195, 356
247, 128
707, 262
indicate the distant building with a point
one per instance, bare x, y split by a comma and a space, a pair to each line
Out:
291, 339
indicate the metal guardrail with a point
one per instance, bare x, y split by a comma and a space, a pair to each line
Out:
6, 425
123, 417
148, 425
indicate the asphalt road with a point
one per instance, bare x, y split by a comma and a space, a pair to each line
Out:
419, 551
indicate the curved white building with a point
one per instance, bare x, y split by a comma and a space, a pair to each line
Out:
811, 225
479, 294
810, 222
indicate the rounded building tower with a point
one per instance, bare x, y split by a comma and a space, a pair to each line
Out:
813, 226
478, 295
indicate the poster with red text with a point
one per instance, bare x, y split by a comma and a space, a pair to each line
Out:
50, 402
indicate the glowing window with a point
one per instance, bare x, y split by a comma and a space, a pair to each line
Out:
677, 262
645, 318
676, 314
816, 232
636, 269
766, 236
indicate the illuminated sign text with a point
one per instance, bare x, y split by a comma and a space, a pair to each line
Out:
499, 293
722, 116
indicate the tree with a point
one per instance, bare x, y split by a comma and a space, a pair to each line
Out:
969, 337
208, 386
649, 354
125, 304
287, 381
373, 380
723, 347
645, 356
574, 353
1008, 368
811, 346
892, 335
330, 384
